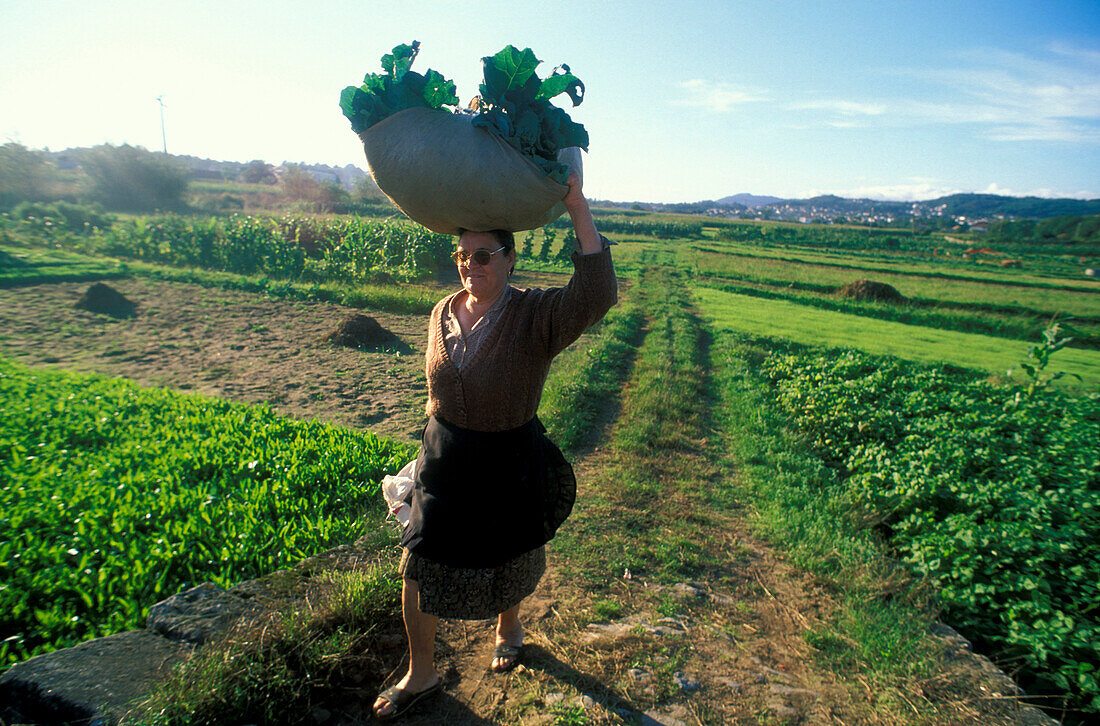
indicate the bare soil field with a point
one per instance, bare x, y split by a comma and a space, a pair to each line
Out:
234, 345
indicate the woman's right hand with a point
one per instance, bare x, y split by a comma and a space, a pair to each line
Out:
574, 199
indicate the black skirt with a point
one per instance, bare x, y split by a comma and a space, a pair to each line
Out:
483, 498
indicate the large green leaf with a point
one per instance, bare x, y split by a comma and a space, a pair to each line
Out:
507, 70
397, 63
562, 81
398, 88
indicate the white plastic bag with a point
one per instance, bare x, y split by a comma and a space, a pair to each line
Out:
395, 488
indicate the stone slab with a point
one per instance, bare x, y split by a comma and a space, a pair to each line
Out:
200, 614
91, 683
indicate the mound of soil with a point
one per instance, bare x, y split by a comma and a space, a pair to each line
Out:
100, 298
360, 331
871, 290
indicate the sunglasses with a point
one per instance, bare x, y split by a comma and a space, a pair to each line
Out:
481, 256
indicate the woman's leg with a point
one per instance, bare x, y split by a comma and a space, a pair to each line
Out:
420, 628
509, 632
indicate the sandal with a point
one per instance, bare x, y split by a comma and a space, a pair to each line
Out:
402, 700
510, 654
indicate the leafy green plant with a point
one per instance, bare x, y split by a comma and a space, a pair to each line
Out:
515, 103
1038, 356
992, 498
396, 89
114, 497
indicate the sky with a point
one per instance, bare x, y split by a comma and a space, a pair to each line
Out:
685, 101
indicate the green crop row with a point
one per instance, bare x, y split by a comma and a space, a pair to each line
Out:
991, 495
338, 249
113, 497
659, 228
585, 379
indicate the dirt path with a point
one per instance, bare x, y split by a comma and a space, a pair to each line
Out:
729, 649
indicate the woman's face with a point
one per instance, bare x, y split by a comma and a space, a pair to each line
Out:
484, 282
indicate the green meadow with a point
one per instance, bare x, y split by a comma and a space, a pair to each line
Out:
793, 322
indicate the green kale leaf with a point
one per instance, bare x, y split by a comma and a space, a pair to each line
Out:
383, 95
515, 103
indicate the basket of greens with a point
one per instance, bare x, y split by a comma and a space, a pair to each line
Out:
500, 163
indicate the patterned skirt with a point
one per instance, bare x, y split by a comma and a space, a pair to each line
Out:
473, 594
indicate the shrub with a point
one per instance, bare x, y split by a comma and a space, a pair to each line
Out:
25, 175
133, 179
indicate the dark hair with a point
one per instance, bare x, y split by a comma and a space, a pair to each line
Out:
504, 238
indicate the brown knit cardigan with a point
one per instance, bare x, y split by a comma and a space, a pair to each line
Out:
500, 386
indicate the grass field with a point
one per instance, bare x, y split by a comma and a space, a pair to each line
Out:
1049, 296
789, 321
699, 414
24, 266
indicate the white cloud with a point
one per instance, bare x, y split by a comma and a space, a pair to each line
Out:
917, 189
995, 188
1052, 95
844, 108
718, 97
1017, 97
914, 191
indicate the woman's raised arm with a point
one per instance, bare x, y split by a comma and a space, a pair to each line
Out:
588, 239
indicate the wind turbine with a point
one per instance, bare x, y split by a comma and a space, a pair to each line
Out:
163, 139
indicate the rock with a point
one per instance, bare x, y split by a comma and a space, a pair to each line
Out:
554, 698
100, 298
640, 676
787, 691
586, 702
871, 290
597, 631
666, 627
92, 681
686, 591
320, 715
955, 645
360, 331
729, 683
783, 711
685, 682
656, 718
199, 614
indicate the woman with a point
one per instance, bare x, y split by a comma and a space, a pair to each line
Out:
490, 488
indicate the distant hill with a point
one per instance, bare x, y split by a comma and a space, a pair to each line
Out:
747, 200
989, 205
963, 209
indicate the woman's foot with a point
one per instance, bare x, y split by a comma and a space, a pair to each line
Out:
396, 700
508, 648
